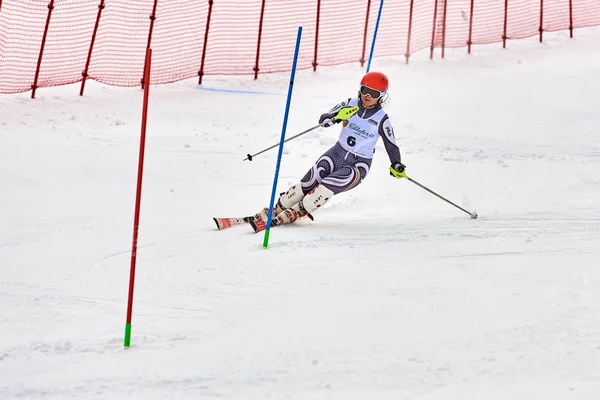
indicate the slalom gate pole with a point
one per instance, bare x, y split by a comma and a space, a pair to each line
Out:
375, 35
282, 141
472, 214
138, 197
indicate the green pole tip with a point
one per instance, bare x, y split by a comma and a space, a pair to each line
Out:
266, 239
127, 335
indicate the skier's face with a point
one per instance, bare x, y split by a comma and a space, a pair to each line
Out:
369, 96
367, 101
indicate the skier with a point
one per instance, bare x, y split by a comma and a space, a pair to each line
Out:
344, 166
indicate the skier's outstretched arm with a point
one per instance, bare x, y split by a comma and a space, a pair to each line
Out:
327, 118
386, 131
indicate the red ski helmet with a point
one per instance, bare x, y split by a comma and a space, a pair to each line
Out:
375, 80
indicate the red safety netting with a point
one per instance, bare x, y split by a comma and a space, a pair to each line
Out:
56, 42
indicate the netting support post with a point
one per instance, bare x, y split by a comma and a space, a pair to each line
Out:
84, 74
260, 27
571, 18
444, 28
364, 46
504, 37
410, 21
208, 15
433, 30
470, 40
541, 20
39, 62
149, 42
315, 63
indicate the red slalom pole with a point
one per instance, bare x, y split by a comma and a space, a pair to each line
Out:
138, 196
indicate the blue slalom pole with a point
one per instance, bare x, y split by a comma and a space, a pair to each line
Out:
374, 36
282, 140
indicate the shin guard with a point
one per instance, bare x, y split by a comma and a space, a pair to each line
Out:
291, 197
313, 201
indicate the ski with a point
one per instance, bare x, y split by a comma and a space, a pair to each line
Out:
259, 225
224, 223
255, 221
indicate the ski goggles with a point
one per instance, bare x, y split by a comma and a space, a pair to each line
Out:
367, 91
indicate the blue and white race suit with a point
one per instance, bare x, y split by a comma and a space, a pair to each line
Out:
347, 163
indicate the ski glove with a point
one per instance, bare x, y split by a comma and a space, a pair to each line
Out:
327, 122
397, 170
343, 114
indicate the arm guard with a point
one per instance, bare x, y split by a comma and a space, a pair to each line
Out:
333, 112
386, 131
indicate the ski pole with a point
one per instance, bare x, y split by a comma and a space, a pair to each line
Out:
472, 214
344, 114
249, 156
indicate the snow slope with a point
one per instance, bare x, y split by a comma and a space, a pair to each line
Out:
389, 294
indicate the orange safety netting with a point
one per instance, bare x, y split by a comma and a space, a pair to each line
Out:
56, 42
